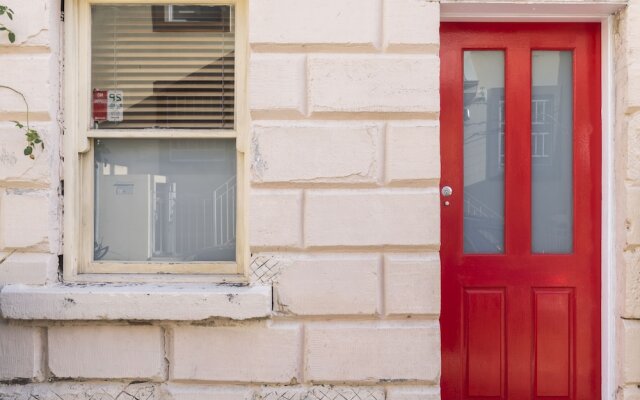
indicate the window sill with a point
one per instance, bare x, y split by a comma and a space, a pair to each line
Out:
143, 302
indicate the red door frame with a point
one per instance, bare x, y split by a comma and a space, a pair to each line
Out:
518, 279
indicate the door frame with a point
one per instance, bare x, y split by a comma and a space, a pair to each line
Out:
603, 13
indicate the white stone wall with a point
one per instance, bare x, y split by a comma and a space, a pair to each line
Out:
627, 38
344, 227
30, 202
344, 224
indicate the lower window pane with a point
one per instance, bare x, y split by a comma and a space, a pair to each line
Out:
165, 200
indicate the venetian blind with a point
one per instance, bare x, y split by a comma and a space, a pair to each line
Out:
173, 65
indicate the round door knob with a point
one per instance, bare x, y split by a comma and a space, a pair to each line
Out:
447, 191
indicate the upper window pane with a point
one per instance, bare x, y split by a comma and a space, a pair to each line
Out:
484, 139
162, 66
552, 152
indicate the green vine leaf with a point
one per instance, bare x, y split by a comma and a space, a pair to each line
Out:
32, 136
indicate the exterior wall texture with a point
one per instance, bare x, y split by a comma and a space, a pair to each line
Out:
343, 214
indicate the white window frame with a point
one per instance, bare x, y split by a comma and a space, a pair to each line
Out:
78, 158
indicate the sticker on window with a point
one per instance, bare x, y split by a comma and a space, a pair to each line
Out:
115, 106
108, 105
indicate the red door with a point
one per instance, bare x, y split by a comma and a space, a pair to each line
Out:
520, 202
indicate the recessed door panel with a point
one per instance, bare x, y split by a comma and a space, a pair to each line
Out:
553, 341
521, 155
484, 333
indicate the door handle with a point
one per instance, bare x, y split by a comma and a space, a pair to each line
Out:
446, 191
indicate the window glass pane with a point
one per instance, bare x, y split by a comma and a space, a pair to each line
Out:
552, 152
165, 200
162, 66
483, 116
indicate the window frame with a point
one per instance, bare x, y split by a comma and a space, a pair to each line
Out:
78, 157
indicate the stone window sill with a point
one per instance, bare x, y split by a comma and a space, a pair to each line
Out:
143, 302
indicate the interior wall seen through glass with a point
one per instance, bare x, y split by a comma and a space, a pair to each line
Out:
165, 200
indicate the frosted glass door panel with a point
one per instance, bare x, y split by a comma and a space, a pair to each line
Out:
484, 139
165, 200
552, 152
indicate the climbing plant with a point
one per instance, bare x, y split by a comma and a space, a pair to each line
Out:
4, 10
32, 136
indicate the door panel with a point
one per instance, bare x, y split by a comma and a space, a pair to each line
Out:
521, 262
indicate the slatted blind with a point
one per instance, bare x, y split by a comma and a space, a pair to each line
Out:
174, 64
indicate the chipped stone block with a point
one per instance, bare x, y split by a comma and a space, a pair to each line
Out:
411, 24
276, 218
370, 352
316, 153
412, 284
83, 391
329, 285
631, 354
314, 22
28, 268
320, 393
24, 219
277, 83
380, 83
413, 152
204, 392
15, 167
106, 352
39, 89
21, 352
631, 299
372, 218
244, 353
31, 22
413, 393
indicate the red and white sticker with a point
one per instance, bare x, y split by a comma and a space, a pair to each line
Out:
108, 105
100, 105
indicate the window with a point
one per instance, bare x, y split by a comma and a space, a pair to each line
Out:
154, 138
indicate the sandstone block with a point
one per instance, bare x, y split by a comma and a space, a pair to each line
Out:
412, 284
411, 24
413, 152
314, 22
275, 217
28, 268
21, 351
106, 352
277, 83
31, 22
370, 352
319, 153
413, 393
39, 89
329, 286
381, 83
372, 218
24, 218
237, 354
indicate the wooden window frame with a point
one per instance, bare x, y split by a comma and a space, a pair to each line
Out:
78, 158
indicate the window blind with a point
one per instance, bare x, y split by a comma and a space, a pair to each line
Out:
174, 65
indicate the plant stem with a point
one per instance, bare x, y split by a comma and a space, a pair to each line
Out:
24, 99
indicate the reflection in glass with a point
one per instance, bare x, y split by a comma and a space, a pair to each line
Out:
484, 122
552, 152
165, 200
